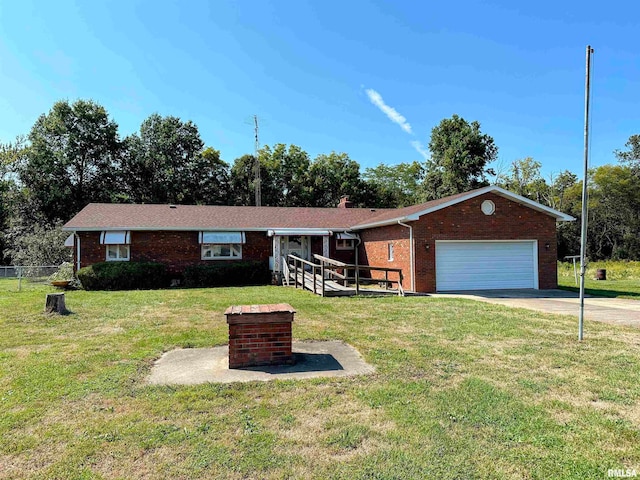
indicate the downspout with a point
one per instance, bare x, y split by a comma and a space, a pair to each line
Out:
411, 255
77, 251
357, 273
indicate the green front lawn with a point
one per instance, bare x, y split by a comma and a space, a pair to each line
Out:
462, 390
623, 279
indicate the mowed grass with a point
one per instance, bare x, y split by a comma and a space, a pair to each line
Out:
462, 390
623, 279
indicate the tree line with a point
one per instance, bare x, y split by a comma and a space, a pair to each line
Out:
74, 155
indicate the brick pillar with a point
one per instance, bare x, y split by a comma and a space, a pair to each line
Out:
260, 335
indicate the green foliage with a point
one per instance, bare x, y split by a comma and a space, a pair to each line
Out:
228, 274
65, 272
333, 176
459, 155
287, 176
123, 276
243, 180
289, 179
524, 179
167, 163
40, 246
284, 177
632, 154
623, 278
71, 159
395, 185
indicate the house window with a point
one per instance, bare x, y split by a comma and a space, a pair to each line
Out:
117, 253
221, 245
345, 243
390, 251
221, 251
116, 243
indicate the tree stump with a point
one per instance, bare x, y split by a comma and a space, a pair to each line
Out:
55, 303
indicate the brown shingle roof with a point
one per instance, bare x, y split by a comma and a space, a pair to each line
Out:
107, 216
100, 216
399, 213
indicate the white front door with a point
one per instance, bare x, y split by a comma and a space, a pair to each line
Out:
298, 245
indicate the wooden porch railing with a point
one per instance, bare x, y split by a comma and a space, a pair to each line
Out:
327, 270
332, 266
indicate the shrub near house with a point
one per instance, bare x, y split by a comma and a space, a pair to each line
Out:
230, 275
147, 276
123, 276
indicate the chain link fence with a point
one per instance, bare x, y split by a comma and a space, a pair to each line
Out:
34, 273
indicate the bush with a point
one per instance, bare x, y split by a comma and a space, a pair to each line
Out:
123, 276
228, 275
64, 272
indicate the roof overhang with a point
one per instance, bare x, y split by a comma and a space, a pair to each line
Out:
299, 231
287, 231
559, 216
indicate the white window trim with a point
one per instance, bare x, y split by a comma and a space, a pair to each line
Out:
352, 244
205, 246
390, 251
118, 248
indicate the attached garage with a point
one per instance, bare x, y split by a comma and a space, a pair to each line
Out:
486, 265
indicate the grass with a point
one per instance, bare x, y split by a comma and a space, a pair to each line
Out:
623, 279
462, 390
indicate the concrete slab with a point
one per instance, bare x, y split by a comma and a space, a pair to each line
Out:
192, 366
616, 311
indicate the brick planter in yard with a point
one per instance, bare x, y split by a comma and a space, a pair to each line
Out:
260, 335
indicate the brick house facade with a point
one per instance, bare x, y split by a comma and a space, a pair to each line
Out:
407, 238
462, 221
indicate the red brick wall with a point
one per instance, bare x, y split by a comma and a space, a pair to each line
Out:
177, 250
464, 221
374, 251
346, 256
260, 344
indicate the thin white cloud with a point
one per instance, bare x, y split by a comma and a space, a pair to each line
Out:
390, 112
420, 149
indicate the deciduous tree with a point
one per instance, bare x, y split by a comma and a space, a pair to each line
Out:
331, 177
71, 158
394, 186
460, 153
167, 163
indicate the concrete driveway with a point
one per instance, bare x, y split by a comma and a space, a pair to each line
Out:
608, 310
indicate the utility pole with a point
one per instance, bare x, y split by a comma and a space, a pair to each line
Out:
585, 196
258, 180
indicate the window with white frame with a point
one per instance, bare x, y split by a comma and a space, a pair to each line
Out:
221, 251
217, 245
390, 251
345, 243
117, 253
117, 245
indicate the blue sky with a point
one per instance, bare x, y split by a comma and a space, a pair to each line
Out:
320, 73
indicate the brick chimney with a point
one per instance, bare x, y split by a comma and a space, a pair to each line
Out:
345, 203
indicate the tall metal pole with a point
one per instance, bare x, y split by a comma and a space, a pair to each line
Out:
585, 197
258, 180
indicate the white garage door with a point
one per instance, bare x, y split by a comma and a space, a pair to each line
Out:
486, 265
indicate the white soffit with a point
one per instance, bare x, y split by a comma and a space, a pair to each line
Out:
300, 232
